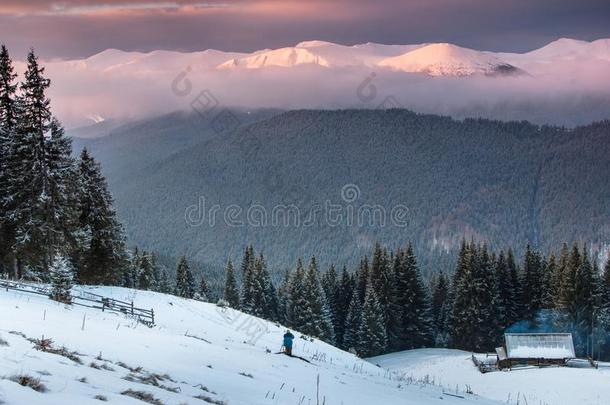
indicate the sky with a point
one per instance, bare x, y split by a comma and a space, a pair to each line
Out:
71, 29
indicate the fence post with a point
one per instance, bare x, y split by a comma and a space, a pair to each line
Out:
131, 307
152, 315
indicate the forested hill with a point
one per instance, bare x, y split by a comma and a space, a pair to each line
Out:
510, 183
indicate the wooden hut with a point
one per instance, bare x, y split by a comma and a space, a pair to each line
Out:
537, 349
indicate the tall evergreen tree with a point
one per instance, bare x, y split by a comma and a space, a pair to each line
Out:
531, 284
250, 287
265, 296
202, 293
362, 278
62, 279
40, 192
185, 282
8, 122
549, 270
506, 293
440, 310
585, 296
283, 299
473, 301
330, 288
231, 293
344, 294
413, 324
296, 298
567, 291
381, 279
146, 276
372, 338
100, 244
352, 323
515, 311
315, 314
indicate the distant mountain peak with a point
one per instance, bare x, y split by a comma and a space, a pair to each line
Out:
283, 57
444, 59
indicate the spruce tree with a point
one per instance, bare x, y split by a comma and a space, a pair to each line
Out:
62, 279
549, 270
250, 288
531, 284
567, 292
283, 298
381, 278
296, 298
185, 282
584, 302
8, 121
202, 292
372, 338
163, 285
344, 294
40, 192
440, 310
100, 247
362, 278
473, 303
231, 293
514, 311
330, 289
352, 323
506, 292
264, 302
314, 312
146, 279
413, 322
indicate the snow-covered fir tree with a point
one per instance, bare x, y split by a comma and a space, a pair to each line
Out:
41, 173
440, 310
296, 297
62, 279
202, 293
345, 291
372, 338
314, 316
146, 274
352, 323
8, 123
185, 282
231, 292
413, 323
100, 249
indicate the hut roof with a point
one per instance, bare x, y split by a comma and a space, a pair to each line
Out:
539, 346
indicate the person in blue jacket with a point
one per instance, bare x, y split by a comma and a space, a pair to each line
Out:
288, 337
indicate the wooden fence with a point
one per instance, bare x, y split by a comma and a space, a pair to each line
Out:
87, 299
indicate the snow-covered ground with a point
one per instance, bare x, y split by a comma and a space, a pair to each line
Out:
194, 345
533, 386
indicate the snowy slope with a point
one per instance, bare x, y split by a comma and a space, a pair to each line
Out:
448, 60
218, 354
547, 386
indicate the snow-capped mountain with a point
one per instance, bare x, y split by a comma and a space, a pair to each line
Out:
448, 60
320, 74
